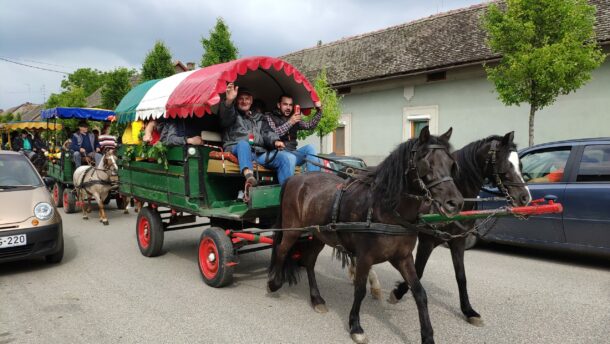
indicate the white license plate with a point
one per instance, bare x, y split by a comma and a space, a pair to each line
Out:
13, 240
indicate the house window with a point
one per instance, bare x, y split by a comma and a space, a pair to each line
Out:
417, 125
416, 118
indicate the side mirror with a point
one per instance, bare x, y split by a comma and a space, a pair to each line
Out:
48, 181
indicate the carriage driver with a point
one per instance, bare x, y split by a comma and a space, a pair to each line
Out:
85, 144
248, 135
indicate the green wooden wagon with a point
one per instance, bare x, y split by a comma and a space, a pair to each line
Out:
61, 168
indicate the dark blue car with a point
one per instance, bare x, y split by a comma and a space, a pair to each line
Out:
577, 172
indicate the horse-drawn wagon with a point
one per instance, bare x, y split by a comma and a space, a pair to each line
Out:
36, 154
61, 166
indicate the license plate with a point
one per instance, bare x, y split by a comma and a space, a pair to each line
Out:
13, 240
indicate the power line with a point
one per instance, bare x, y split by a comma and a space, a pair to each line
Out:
38, 62
26, 65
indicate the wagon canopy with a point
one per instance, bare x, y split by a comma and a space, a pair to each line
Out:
197, 93
79, 113
30, 125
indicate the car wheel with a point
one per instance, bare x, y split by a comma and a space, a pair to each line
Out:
57, 256
471, 241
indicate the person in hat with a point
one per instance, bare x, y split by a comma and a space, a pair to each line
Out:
247, 134
85, 144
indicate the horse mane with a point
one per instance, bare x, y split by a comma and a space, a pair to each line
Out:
388, 179
469, 173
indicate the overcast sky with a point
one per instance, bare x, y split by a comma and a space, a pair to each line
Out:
64, 35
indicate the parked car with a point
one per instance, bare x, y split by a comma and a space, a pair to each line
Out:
30, 225
577, 173
347, 163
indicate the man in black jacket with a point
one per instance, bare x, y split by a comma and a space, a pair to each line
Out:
287, 123
248, 136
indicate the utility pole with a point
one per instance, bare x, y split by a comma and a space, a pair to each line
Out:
44, 94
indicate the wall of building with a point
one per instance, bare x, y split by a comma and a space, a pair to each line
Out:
467, 101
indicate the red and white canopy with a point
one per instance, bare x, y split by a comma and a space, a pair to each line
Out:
199, 92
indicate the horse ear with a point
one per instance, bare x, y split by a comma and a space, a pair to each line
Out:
424, 135
508, 138
446, 136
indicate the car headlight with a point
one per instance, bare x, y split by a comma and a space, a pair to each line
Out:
43, 211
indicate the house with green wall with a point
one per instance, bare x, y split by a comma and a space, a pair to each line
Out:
431, 72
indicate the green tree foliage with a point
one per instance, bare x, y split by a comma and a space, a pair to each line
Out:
218, 48
6, 118
73, 97
116, 86
331, 103
548, 49
158, 63
86, 78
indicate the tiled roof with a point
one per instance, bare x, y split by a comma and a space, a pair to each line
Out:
436, 42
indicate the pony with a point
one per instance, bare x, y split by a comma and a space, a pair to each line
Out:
419, 171
96, 182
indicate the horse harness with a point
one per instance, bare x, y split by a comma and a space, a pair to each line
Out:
84, 184
404, 227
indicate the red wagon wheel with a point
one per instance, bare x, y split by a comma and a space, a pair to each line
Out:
58, 195
149, 232
216, 257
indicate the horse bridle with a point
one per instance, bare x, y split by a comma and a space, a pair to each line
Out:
490, 161
423, 186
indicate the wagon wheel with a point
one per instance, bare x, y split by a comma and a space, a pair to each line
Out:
216, 257
69, 201
149, 232
58, 195
120, 201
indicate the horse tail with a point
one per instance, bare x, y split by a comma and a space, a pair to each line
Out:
289, 272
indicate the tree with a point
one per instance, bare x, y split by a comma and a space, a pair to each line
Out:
158, 63
73, 97
331, 103
86, 78
116, 86
218, 48
548, 48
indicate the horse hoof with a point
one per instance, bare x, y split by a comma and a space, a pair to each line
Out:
377, 294
106, 223
360, 338
476, 321
125, 212
85, 218
392, 298
321, 308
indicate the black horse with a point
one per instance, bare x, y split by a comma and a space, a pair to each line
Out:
493, 158
416, 172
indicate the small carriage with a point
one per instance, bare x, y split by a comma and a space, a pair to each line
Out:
61, 166
36, 156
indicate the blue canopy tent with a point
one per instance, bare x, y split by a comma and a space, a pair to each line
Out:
78, 113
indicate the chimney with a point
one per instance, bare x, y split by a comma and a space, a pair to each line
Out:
190, 65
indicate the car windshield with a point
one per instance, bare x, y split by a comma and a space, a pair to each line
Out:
16, 171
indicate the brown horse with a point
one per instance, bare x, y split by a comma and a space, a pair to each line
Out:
494, 158
96, 182
416, 172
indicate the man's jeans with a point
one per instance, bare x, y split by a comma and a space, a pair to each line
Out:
306, 152
78, 158
284, 162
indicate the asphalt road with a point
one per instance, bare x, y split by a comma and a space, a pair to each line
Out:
105, 291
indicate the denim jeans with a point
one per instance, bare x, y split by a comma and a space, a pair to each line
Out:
305, 153
284, 162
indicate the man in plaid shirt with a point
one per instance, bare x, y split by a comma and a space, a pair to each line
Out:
287, 123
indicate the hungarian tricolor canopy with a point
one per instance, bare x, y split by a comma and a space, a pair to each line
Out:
196, 93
